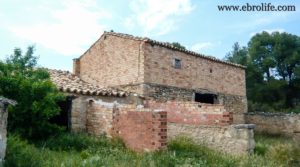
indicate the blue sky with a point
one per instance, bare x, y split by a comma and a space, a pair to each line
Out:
63, 29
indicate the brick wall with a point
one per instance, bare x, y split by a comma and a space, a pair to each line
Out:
193, 113
232, 103
137, 65
113, 61
143, 130
195, 72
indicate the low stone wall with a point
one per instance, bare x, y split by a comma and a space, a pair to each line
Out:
232, 139
275, 123
143, 130
193, 113
3, 123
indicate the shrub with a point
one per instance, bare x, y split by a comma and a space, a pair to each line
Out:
37, 97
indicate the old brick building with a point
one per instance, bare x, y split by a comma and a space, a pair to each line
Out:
159, 71
148, 92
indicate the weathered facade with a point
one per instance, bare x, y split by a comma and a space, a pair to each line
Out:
147, 92
161, 72
4, 102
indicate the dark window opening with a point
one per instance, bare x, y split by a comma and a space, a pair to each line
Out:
210, 70
63, 119
177, 63
205, 98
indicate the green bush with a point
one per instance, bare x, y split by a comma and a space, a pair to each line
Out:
37, 97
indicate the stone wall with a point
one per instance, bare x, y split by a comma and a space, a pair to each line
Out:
112, 61
142, 130
193, 113
3, 123
232, 139
275, 123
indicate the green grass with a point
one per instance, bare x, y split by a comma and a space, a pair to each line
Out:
83, 150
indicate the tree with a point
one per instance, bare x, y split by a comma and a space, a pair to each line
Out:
177, 45
238, 55
37, 97
273, 71
261, 48
278, 56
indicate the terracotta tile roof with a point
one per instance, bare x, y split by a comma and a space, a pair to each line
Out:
70, 83
167, 45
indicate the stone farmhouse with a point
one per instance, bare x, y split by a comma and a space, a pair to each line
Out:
148, 92
162, 72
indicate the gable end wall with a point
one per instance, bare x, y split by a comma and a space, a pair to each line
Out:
112, 61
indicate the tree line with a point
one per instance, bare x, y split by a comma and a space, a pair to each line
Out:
272, 63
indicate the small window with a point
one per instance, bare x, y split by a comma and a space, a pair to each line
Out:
205, 98
177, 63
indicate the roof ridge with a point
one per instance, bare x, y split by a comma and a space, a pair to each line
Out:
168, 45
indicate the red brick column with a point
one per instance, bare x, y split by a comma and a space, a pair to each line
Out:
141, 130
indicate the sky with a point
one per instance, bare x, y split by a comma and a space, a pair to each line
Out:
62, 30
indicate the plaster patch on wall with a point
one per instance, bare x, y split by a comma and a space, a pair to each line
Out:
105, 104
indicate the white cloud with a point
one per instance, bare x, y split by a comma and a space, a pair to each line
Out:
74, 26
199, 47
157, 17
260, 20
268, 30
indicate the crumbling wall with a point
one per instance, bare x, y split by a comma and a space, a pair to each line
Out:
193, 113
207, 124
3, 123
141, 130
275, 123
147, 127
91, 113
162, 93
99, 118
